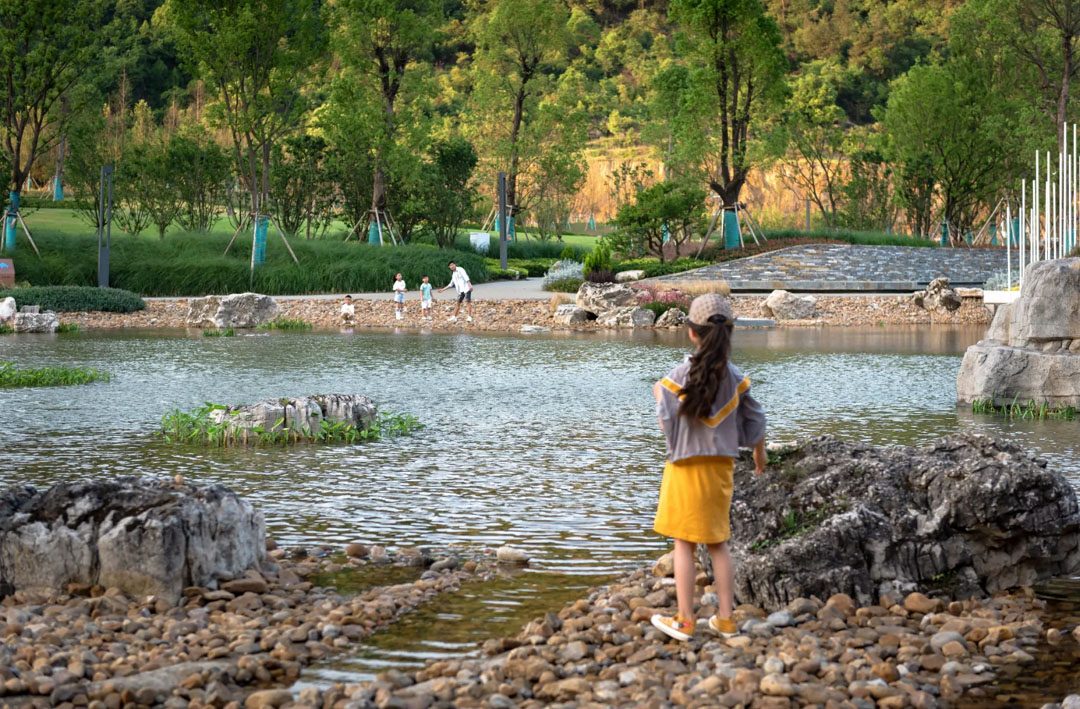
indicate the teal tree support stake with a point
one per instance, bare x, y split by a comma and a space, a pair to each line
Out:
11, 221
731, 229
373, 235
261, 230
500, 224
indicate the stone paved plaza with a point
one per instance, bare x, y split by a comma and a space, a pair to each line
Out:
838, 267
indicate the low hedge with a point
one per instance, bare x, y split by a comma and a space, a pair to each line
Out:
193, 264
652, 266
76, 299
565, 285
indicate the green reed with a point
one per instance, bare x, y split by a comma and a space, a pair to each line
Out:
6, 329
219, 332
1031, 410
199, 427
11, 377
66, 328
286, 324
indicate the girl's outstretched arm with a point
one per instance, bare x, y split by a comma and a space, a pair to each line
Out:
761, 457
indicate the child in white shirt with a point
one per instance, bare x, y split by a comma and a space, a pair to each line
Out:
399, 296
348, 311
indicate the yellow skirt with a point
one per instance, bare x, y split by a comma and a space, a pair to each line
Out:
695, 499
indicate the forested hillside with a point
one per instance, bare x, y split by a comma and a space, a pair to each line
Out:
885, 115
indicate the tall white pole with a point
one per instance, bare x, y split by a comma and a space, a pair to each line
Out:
1023, 226
1008, 247
1049, 209
1036, 186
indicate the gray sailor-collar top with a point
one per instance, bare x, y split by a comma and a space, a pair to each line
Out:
736, 418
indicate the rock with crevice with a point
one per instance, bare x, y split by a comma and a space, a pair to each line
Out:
304, 414
967, 514
571, 314
142, 536
672, 317
238, 310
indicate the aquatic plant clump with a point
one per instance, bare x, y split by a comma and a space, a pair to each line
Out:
200, 426
219, 332
11, 377
1029, 411
286, 324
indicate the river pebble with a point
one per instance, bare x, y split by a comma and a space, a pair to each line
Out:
100, 648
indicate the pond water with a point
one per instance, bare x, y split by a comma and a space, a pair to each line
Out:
548, 443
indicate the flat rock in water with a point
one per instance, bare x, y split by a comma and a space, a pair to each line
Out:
511, 555
965, 515
142, 536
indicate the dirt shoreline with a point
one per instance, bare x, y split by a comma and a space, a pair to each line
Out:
512, 315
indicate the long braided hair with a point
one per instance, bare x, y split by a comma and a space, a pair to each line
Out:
708, 366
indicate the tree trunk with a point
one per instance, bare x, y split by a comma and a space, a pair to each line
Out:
515, 132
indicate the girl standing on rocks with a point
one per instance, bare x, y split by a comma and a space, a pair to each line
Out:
706, 412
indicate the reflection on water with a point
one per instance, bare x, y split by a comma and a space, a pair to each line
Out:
547, 443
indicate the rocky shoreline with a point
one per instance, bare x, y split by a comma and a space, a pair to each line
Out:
915, 652
245, 643
104, 649
512, 315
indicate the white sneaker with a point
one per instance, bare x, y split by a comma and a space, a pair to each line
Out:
398, 316
453, 318
468, 319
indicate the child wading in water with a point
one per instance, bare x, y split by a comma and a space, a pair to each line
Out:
706, 411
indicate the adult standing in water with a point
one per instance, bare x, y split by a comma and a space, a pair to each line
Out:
459, 279
706, 411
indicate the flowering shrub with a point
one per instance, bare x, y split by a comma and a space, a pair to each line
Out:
662, 300
671, 297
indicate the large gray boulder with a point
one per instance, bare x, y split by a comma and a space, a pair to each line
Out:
965, 515
570, 314
7, 309
782, 305
36, 322
145, 537
241, 310
938, 297
629, 316
1048, 308
599, 298
1032, 350
303, 414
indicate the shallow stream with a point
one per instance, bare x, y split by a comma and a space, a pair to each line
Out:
548, 443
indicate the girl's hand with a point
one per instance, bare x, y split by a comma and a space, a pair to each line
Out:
760, 457
657, 392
